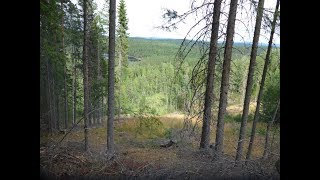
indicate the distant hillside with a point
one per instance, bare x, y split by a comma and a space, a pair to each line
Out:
164, 50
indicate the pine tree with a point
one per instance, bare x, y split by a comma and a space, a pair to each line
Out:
207, 116
252, 65
122, 47
263, 78
122, 34
112, 27
85, 74
225, 78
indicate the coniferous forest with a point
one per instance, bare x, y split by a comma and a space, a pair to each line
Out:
117, 106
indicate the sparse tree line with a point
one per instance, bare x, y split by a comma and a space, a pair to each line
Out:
205, 90
78, 81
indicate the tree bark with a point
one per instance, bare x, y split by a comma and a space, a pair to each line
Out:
50, 122
100, 87
55, 101
244, 84
112, 25
225, 78
58, 113
266, 145
85, 75
253, 57
205, 135
65, 71
119, 103
265, 69
74, 89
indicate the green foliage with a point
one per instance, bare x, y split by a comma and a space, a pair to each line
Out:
156, 104
231, 118
122, 34
237, 117
271, 93
168, 133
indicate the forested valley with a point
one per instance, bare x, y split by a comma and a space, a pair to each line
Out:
121, 107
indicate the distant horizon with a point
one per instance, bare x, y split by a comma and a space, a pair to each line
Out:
171, 38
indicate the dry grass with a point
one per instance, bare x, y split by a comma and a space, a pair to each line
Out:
237, 109
143, 155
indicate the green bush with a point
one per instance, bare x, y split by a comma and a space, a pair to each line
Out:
168, 133
232, 118
150, 127
237, 118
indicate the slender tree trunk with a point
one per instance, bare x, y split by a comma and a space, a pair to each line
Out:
225, 78
266, 145
112, 25
65, 100
265, 69
99, 80
74, 89
101, 111
54, 108
65, 72
49, 99
205, 135
85, 75
244, 84
58, 113
91, 109
253, 57
119, 90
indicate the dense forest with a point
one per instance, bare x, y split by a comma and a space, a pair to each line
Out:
112, 105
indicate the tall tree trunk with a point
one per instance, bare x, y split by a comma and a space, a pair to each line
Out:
225, 78
74, 89
50, 123
99, 80
265, 69
65, 71
244, 84
253, 57
58, 112
205, 135
119, 90
85, 75
266, 145
112, 25
54, 108
101, 111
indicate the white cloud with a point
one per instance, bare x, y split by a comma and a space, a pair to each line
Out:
145, 15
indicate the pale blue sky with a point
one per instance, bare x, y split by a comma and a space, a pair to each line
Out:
145, 15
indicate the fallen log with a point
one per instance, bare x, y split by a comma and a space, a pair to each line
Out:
170, 143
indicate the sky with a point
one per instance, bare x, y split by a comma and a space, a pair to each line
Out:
145, 15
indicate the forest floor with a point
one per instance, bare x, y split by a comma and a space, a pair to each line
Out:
139, 155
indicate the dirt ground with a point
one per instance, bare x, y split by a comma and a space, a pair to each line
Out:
140, 158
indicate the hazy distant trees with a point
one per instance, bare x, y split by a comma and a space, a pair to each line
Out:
52, 63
